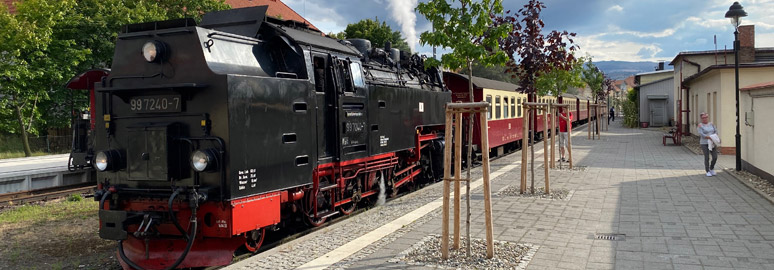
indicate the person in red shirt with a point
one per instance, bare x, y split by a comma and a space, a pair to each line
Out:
563, 132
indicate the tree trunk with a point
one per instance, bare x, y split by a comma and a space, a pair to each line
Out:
23, 129
470, 163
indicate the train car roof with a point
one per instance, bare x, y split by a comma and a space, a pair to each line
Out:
486, 83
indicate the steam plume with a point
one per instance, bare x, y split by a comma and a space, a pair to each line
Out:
403, 12
382, 197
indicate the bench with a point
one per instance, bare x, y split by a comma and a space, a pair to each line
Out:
670, 135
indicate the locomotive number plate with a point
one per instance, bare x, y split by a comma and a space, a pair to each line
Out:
147, 104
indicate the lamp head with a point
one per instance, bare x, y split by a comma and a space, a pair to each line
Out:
735, 13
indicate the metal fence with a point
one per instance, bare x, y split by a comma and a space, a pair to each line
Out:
51, 144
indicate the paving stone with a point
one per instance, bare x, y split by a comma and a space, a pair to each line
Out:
672, 216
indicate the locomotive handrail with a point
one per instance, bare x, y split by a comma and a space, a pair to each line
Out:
253, 41
467, 105
153, 86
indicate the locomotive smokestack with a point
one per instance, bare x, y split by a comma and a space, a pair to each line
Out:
395, 55
362, 45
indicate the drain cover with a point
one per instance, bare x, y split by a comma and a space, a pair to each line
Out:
610, 236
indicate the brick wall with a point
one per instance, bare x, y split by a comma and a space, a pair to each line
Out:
746, 43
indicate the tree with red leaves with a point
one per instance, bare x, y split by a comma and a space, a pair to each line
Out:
533, 53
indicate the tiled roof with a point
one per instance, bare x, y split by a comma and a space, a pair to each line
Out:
757, 86
9, 3
276, 9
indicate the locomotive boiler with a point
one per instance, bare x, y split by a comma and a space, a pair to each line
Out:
207, 137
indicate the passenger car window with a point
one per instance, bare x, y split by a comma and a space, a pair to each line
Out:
489, 112
498, 108
505, 107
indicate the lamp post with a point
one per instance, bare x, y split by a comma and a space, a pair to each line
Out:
735, 13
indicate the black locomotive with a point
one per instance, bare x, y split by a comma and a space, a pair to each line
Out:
209, 136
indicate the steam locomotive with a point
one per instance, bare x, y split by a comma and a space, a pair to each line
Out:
206, 138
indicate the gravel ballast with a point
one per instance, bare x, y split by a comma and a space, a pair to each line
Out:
427, 252
556, 193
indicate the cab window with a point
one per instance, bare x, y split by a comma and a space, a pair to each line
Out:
357, 75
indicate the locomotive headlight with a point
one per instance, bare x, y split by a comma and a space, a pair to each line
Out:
204, 160
153, 50
108, 160
101, 161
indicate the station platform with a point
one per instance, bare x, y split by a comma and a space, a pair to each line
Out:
630, 203
23, 174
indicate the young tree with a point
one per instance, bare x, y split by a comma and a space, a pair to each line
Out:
557, 80
533, 53
467, 29
378, 32
594, 78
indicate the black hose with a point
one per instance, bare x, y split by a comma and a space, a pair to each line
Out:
173, 216
189, 238
179, 259
102, 200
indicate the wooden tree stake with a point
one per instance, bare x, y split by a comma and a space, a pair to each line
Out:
457, 174
446, 175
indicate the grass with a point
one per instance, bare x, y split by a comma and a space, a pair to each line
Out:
33, 213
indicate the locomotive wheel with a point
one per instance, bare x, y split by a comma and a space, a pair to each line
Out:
323, 200
348, 208
254, 239
314, 222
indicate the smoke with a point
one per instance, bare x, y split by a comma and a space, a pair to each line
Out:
403, 12
382, 197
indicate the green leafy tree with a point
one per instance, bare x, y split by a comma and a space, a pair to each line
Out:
48, 42
559, 80
494, 72
378, 32
32, 59
466, 28
594, 78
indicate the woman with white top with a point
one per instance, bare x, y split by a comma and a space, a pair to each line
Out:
706, 129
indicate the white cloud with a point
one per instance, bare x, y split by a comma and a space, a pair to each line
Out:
616, 8
663, 33
603, 50
324, 18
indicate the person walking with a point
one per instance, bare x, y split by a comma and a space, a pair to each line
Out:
612, 114
706, 129
563, 117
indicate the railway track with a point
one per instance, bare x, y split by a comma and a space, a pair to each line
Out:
45, 194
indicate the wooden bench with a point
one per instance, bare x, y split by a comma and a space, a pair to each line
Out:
670, 135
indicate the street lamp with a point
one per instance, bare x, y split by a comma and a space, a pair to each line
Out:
735, 13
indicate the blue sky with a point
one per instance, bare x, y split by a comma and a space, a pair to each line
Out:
629, 30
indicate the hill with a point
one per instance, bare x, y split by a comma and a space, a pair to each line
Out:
619, 70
